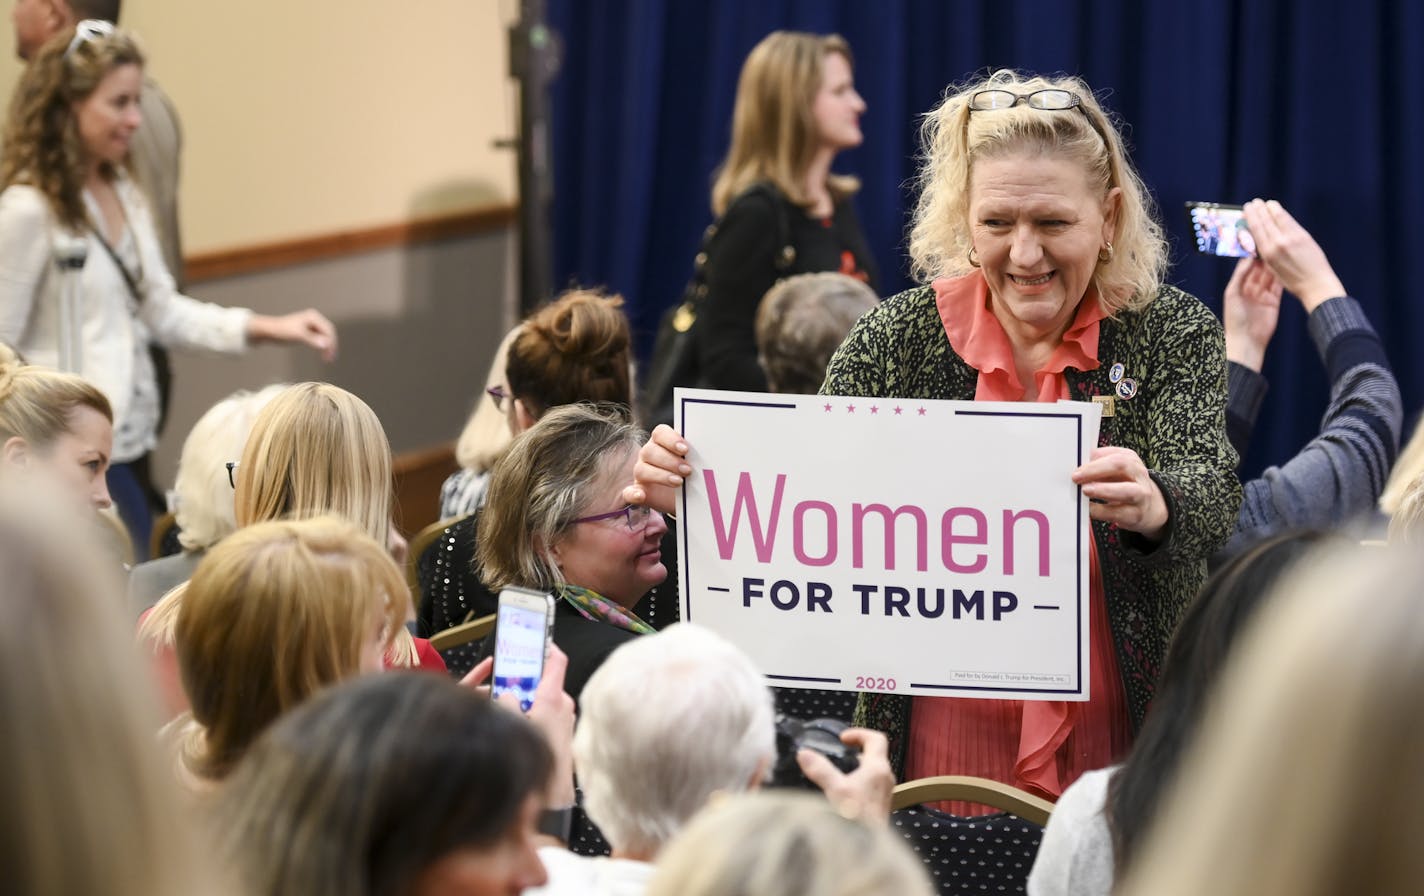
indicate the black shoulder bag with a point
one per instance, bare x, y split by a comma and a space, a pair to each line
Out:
674, 360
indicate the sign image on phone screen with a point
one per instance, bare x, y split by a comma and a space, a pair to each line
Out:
1221, 229
520, 640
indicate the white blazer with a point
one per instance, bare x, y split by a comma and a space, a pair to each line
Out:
106, 338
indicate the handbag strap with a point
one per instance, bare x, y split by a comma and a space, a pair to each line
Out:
129, 279
784, 258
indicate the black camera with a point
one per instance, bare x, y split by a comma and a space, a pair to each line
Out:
821, 735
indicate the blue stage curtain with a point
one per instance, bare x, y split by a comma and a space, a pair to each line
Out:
1313, 102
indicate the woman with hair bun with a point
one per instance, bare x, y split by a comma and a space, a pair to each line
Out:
57, 426
575, 349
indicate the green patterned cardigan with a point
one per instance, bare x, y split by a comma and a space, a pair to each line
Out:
1176, 422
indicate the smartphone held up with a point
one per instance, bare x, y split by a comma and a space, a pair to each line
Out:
523, 628
1221, 229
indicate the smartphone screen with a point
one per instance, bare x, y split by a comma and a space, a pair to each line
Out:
521, 635
1221, 230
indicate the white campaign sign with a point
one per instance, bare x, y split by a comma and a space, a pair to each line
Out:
919, 547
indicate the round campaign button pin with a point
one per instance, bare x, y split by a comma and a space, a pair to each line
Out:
1127, 388
1116, 372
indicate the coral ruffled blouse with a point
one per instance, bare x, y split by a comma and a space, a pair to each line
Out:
1038, 746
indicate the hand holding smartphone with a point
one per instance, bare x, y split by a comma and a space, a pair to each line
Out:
1221, 229
523, 628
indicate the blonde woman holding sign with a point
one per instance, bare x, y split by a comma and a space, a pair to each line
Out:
1045, 273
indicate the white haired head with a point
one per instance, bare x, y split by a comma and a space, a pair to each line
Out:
204, 507
668, 720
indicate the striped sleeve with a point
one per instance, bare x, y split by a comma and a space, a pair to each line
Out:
1339, 475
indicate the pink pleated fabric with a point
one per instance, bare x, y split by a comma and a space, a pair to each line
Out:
1039, 746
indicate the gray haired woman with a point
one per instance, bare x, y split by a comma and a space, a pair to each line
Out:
555, 520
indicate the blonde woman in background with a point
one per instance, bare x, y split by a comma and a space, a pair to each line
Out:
786, 844
314, 450
89, 807
317, 449
65, 179
1307, 777
275, 612
56, 427
203, 496
796, 109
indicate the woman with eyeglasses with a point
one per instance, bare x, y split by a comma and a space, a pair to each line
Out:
83, 286
555, 520
576, 348
1044, 269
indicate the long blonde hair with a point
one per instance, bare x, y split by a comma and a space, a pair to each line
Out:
954, 139
275, 612
91, 808
773, 125
1406, 518
1307, 777
42, 143
315, 449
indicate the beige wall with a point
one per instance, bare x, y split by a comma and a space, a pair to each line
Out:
308, 117
418, 328
303, 117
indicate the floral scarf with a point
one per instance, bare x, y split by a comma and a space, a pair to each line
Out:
595, 607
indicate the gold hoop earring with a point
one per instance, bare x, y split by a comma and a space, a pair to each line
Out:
1109, 250
973, 260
